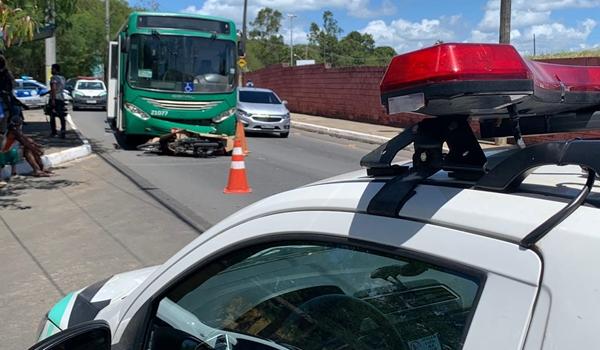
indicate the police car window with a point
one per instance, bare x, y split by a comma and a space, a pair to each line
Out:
313, 297
259, 97
27, 85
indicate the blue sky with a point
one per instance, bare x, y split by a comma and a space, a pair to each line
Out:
559, 25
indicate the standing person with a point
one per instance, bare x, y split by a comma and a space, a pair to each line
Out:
6, 93
57, 101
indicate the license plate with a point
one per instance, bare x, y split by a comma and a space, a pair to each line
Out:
268, 127
91, 102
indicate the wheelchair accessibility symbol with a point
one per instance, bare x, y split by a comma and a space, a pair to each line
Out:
188, 87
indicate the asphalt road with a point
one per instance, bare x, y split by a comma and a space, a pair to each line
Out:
274, 165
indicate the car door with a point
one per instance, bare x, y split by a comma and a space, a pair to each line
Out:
337, 280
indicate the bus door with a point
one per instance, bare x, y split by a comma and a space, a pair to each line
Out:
113, 109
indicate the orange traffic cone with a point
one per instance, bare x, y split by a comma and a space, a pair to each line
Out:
240, 134
238, 183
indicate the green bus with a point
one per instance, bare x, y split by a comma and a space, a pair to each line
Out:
171, 71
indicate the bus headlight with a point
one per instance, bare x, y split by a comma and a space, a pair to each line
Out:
136, 111
221, 117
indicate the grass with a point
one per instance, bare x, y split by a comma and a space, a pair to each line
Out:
569, 54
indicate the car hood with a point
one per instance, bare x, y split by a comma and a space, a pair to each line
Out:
85, 304
92, 93
263, 108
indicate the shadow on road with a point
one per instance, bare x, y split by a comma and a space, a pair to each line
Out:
258, 135
39, 132
17, 186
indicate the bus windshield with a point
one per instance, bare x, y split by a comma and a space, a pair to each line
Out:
182, 64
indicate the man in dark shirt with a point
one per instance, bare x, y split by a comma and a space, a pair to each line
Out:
57, 101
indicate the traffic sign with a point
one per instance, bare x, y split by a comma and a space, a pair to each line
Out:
242, 62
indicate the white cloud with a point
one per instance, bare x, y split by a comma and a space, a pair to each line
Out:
529, 12
553, 37
299, 35
477, 36
234, 8
404, 35
535, 16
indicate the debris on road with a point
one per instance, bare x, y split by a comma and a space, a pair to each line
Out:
181, 142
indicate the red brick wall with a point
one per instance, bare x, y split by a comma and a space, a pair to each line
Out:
346, 93
349, 93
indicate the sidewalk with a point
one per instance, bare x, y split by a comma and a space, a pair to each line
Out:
62, 233
351, 130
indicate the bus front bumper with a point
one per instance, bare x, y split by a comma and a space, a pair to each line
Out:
154, 126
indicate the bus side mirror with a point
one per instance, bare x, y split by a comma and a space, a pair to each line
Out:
241, 49
125, 45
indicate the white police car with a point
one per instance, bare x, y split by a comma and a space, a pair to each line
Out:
457, 250
31, 92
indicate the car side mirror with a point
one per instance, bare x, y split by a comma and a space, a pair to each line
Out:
285, 102
93, 335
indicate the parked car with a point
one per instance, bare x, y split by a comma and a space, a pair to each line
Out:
35, 94
31, 92
89, 94
262, 111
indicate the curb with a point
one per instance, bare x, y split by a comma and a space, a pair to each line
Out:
57, 158
357, 136
341, 133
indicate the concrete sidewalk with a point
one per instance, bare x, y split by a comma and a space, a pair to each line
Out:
351, 130
62, 233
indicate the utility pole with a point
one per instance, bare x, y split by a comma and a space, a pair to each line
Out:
50, 42
505, 21
291, 17
107, 20
107, 44
505, 12
533, 44
244, 24
244, 35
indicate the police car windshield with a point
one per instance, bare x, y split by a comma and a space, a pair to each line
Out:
259, 97
90, 85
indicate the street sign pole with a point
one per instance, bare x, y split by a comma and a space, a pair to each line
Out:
243, 39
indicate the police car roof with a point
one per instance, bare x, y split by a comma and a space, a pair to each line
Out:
255, 89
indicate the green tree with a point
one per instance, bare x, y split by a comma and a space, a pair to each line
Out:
265, 45
266, 24
81, 45
355, 48
20, 20
381, 56
325, 38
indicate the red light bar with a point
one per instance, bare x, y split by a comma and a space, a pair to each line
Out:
448, 62
571, 78
481, 79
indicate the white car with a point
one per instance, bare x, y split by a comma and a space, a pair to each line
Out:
262, 111
459, 249
89, 94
